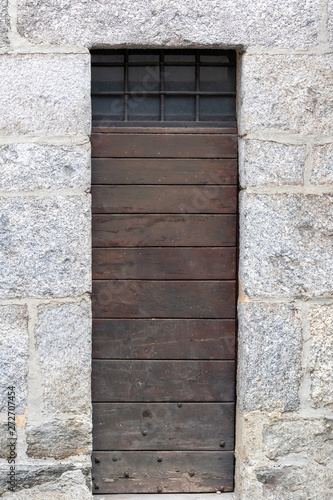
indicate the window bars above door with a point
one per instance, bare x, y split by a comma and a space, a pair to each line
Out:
164, 88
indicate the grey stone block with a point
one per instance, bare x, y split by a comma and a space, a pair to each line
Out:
59, 438
321, 355
14, 345
269, 357
45, 246
266, 163
291, 93
286, 245
170, 22
64, 344
310, 437
4, 23
322, 173
45, 94
27, 167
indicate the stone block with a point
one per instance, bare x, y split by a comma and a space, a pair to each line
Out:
44, 246
266, 163
28, 167
63, 337
269, 357
287, 93
286, 245
4, 23
45, 94
164, 23
14, 344
322, 173
309, 436
59, 438
321, 355
53, 482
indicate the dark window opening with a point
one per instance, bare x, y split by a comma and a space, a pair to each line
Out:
163, 88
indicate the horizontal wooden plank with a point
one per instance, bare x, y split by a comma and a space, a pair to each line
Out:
178, 381
163, 171
164, 263
191, 129
164, 230
164, 199
162, 471
164, 299
163, 339
163, 426
164, 145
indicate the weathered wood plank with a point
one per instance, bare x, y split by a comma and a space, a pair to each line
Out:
164, 199
164, 230
164, 299
163, 339
185, 381
164, 145
163, 171
164, 263
163, 426
162, 471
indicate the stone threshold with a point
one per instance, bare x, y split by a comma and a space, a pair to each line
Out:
170, 496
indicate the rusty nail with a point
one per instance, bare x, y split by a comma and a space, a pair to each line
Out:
97, 460
114, 459
191, 474
159, 489
126, 474
159, 459
222, 444
144, 433
179, 405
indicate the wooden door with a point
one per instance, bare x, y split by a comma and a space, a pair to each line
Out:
164, 309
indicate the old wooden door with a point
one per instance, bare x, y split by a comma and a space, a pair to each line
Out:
164, 304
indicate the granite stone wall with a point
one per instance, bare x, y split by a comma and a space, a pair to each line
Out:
285, 112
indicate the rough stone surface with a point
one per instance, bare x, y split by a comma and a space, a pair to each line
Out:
45, 94
4, 23
59, 439
266, 163
49, 484
309, 437
292, 93
286, 245
64, 343
170, 23
44, 246
321, 357
14, 355
322, 173
26, 167
269, 357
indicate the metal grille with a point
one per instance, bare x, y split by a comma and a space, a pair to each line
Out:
164, 87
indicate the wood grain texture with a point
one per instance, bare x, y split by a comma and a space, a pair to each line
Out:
163, 339
159, 381
163, 426
176, 472
164, 199
164, 263
164, 145
164, 230
164, 299
163, 171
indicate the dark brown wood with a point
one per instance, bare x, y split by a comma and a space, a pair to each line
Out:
162, 471
164, 199
164, 299
163, 171
186, 381
163, 426
163, 339
164, 145
164, 230
165, 130
164, 263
